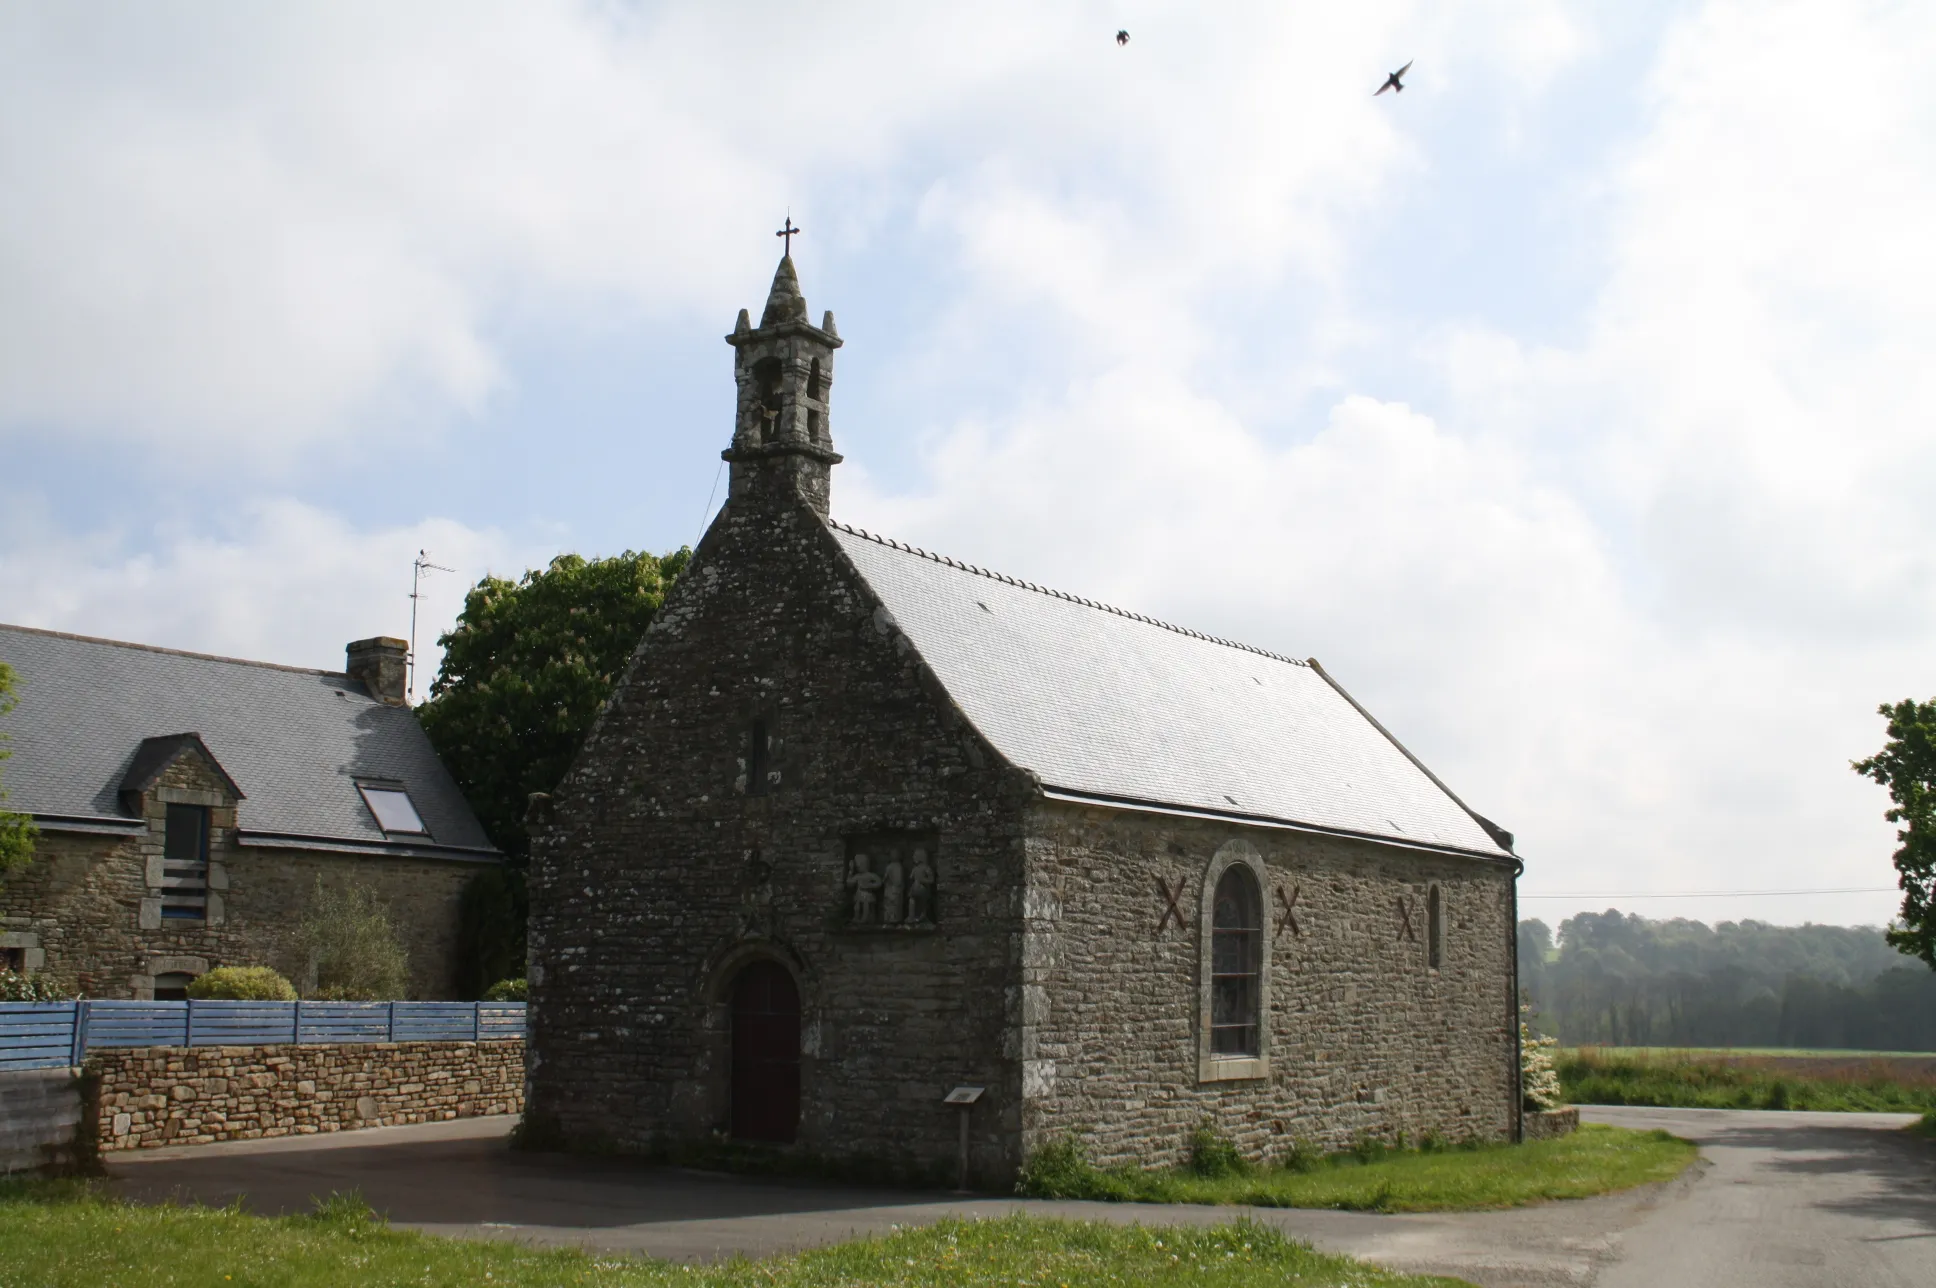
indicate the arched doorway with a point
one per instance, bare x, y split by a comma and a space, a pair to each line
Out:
766, 1054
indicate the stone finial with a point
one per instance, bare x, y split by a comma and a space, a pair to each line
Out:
744, 324
784, 303
827, 323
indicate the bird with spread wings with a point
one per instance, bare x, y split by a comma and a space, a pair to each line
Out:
1395, 81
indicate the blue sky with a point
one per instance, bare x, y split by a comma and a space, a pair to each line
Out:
1571, 406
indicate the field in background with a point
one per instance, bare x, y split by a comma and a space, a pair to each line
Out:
1841, 1081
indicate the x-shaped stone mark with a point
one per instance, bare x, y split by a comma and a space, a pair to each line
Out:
1172, 899
1288, 917
1405, 920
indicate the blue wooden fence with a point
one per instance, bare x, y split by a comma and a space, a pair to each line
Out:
45, 1035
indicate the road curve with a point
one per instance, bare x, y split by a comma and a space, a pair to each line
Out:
1820, 1200
1778, 1199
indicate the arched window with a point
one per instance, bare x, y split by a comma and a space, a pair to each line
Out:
1236, 965
1434, 928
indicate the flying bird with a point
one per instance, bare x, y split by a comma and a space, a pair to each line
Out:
1395, 80
1122, 37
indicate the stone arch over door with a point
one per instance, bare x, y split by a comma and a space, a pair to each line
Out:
764, 1073
746, 1002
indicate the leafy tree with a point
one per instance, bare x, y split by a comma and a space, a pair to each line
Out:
1626, 980
355, 954
525, 672
1906, 765
16, 830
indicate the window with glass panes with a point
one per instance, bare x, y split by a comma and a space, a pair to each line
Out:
1236, 964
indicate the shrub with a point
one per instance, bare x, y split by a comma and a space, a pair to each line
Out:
1212, 1155
16, 987
490, 931
1539, 1081
1059, 1170
354, 952
508, 990
243, 984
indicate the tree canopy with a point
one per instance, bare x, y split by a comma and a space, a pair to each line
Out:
525, 672
16, 830
1906, 765
1625, 980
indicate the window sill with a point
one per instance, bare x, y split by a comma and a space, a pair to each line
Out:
1229, 1069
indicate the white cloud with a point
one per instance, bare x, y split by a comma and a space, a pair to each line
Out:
1638, 597
282, 582
1635, 595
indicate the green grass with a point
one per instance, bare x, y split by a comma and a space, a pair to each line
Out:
1593, 1160
1785, 1053
1590, 1076
1927, 1127
66, 1235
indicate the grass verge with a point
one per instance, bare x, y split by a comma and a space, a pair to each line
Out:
1708, 1081
1927, 1127
1593, 1160
65, 1235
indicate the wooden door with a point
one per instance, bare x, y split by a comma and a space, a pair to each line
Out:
766, 1054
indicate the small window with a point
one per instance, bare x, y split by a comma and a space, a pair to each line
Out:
173, 987
1236, 965
13, 959
1434, 928
394, 812
184, 864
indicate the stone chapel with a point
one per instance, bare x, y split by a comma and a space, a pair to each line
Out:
862, 825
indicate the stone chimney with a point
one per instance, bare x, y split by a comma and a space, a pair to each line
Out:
382, 664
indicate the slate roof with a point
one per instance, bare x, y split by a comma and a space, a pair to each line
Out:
1106, 705
294, 741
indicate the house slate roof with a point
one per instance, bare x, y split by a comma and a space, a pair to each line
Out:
1109, 706
295, 742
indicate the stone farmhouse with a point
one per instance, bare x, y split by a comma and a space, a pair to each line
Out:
863, 825
187, 805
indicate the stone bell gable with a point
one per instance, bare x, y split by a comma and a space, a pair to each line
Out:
864, 826
777, 778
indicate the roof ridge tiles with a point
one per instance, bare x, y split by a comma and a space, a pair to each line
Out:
944, 560
172, 652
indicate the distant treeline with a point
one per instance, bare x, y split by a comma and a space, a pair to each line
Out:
1623, 980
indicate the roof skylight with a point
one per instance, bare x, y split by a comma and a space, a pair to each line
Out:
395, 813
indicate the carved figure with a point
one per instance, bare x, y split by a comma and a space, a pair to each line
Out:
920, 897
865, 883
893, 900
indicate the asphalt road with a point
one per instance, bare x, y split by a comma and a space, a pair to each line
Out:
1779, 1199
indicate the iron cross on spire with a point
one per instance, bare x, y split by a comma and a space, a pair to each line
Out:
788, 233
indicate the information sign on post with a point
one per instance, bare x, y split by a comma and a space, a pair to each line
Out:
963, 1098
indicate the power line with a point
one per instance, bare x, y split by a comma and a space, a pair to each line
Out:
1715, 894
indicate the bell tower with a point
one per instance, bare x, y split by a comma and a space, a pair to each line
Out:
784, 368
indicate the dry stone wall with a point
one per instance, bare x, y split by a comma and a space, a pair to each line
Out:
1364, 1037
154, 1096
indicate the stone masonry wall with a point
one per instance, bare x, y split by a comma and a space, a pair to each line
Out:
86, 909
154, 1096
662, 876
1365, 1038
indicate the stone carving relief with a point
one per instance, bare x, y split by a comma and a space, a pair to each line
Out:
889, 882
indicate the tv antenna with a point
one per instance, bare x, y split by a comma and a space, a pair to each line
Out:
418, 567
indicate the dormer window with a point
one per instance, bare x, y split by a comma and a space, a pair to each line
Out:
393, 810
